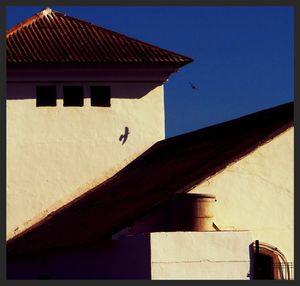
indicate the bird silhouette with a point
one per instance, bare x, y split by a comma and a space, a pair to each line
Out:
124, 136
193, 86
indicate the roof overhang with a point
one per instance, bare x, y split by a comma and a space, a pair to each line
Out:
60, 72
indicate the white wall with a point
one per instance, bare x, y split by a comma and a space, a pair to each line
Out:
257, 193
56, 153
200, 255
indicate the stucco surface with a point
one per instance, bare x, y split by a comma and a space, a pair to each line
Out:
257, 193
56, 153
200, 255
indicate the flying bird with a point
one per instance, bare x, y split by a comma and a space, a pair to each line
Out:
124, 136
193, 86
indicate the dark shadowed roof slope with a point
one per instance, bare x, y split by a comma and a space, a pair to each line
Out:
52, 37
168, 167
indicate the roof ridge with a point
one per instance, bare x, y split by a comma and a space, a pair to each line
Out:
247, 116
28, 21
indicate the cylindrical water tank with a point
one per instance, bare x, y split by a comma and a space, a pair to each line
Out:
200, 211
193, 212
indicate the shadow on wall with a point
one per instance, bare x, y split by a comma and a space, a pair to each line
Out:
123, 138
126, 258
20, 91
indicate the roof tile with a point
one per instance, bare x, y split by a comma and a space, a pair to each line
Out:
52, 37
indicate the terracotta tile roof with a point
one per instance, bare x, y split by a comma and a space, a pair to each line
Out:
170, 166
52, 37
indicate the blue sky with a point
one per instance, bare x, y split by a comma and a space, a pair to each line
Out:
243, 56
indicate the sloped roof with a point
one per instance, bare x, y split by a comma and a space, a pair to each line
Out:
52, 37
170, 166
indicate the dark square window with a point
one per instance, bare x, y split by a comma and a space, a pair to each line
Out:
46, 95
73, 95
100, 96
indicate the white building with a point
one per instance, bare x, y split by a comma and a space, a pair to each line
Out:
155, 217
73, 90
